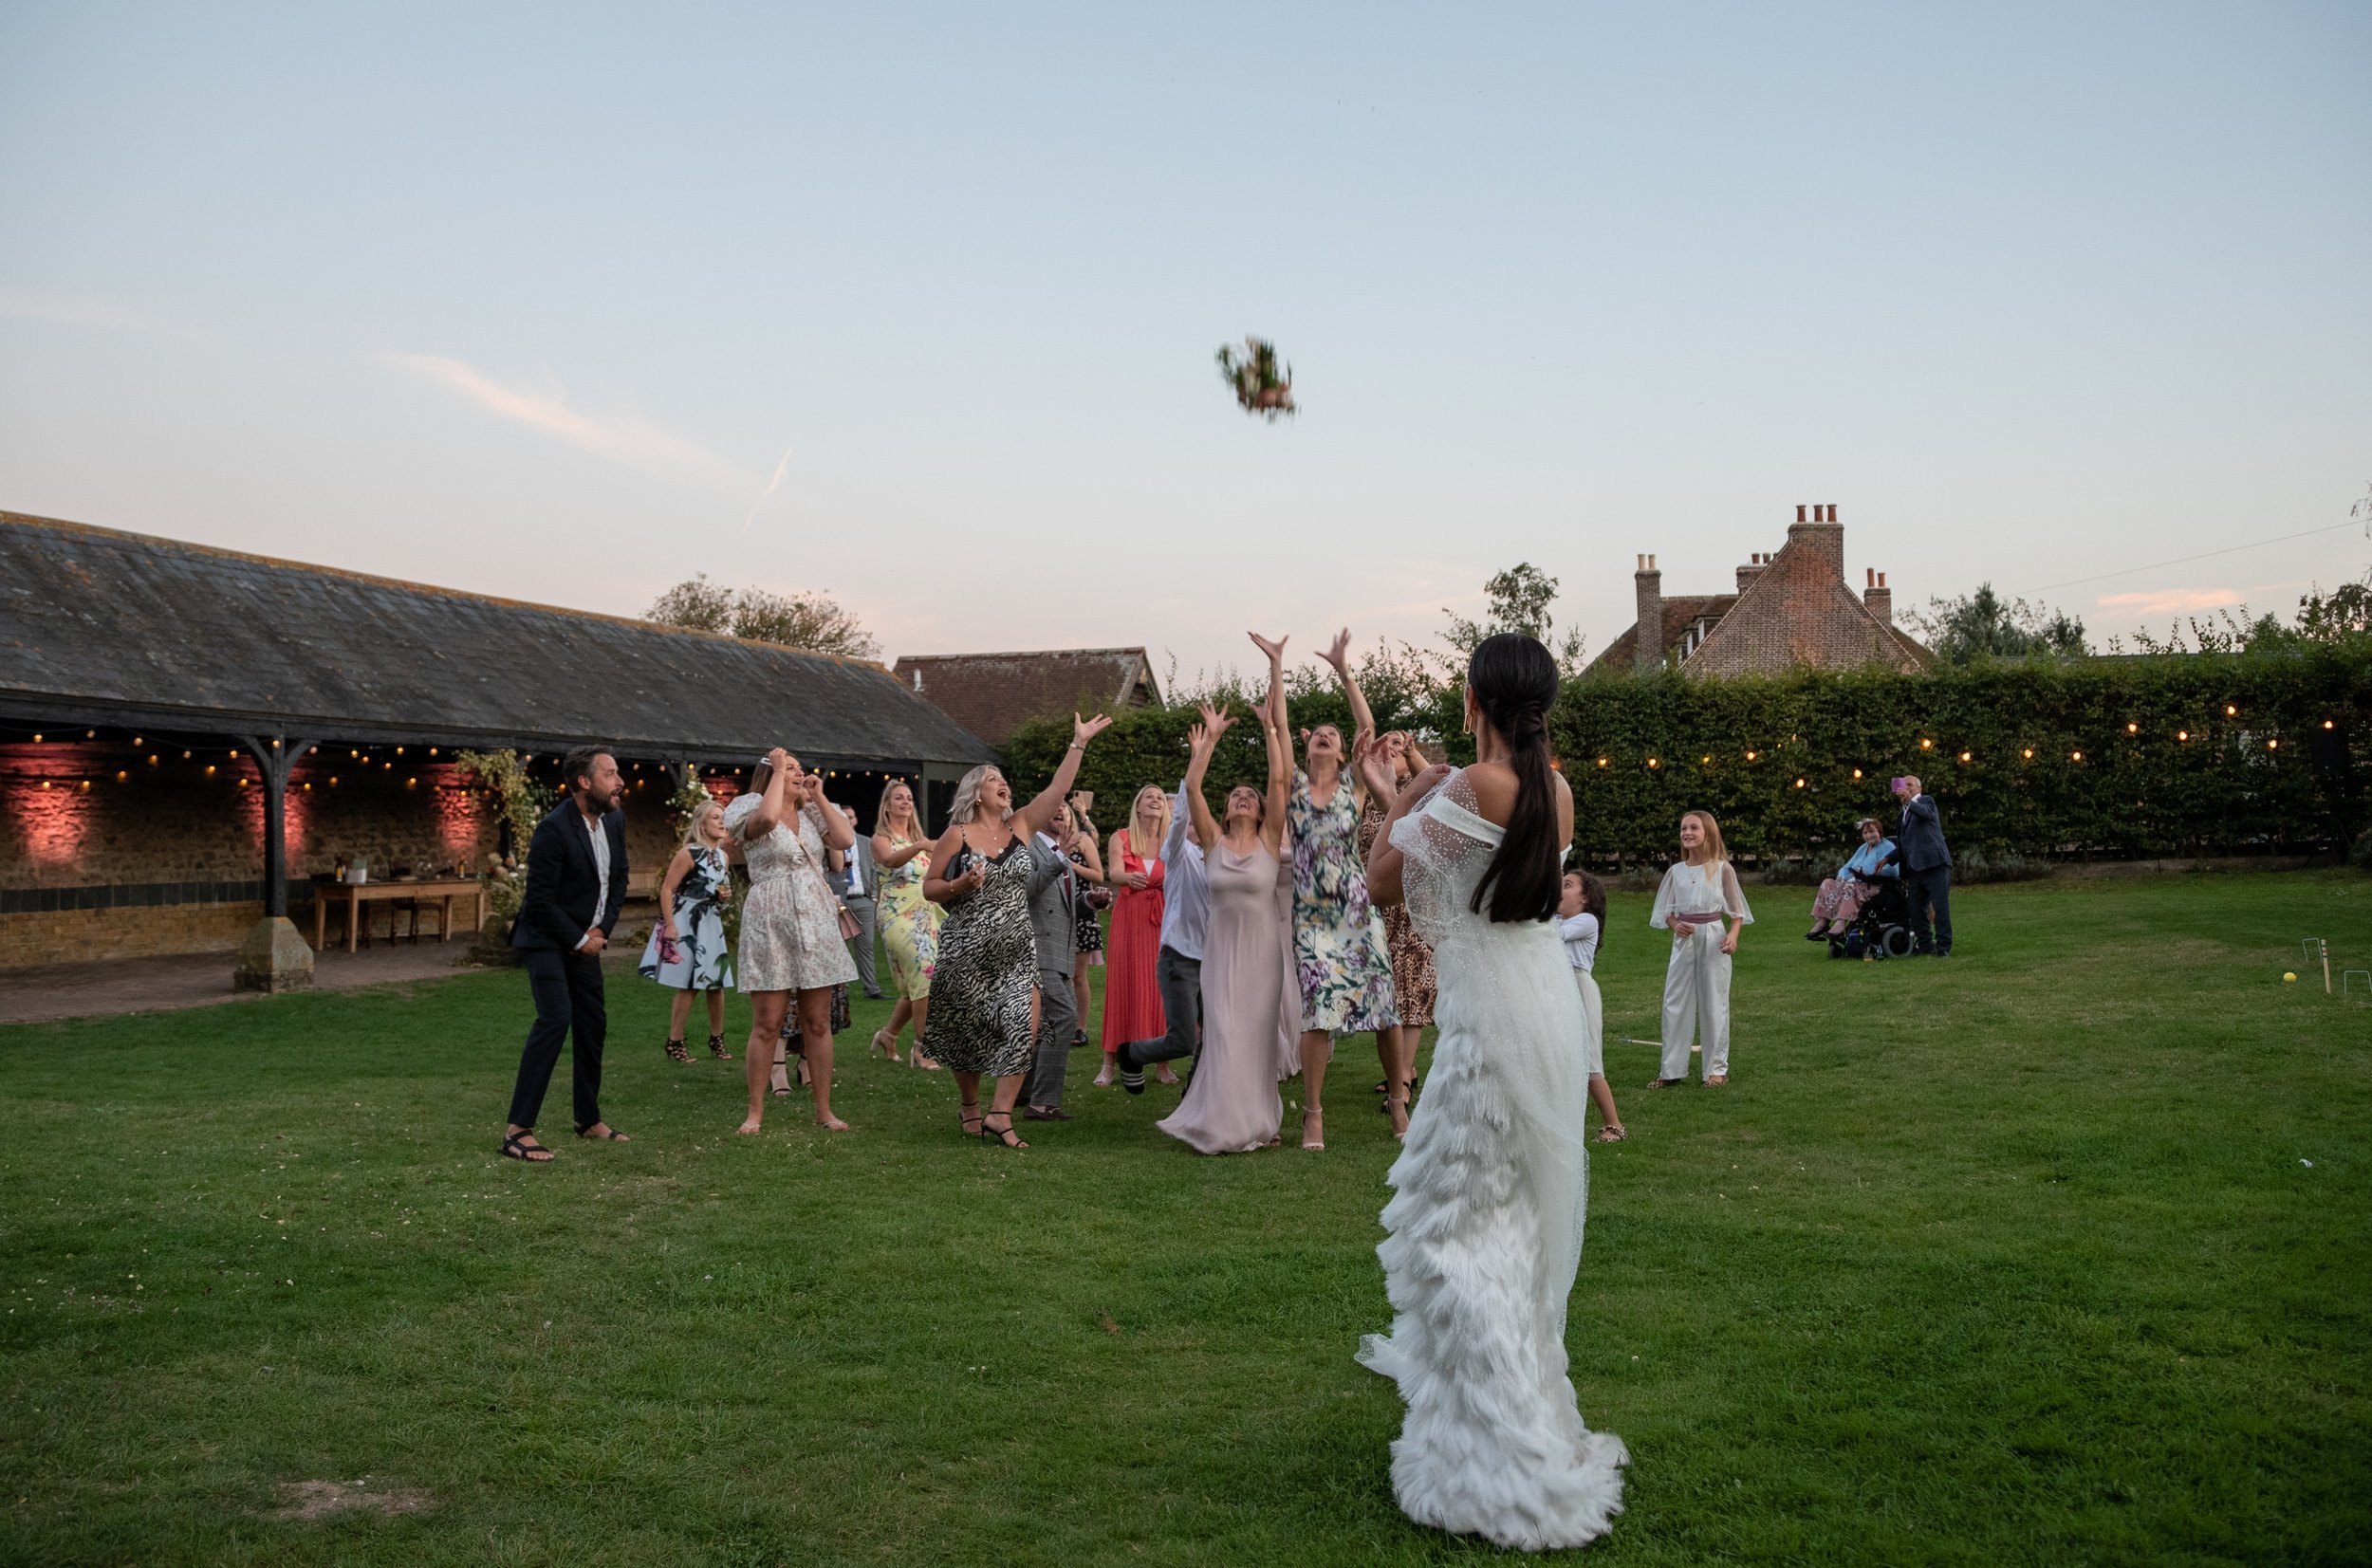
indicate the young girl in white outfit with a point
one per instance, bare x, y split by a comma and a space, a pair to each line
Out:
1698, 894
1580, 917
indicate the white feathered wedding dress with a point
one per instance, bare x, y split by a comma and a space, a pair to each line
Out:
1486, 1219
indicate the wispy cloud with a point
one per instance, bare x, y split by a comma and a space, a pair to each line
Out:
78, 310
771, 486
2169, 602
631, 442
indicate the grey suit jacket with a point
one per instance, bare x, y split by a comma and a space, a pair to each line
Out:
1921, 837
860, 856
1052, 916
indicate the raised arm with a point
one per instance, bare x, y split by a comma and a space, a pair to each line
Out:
1385, 861
1339, 657
1205, 738
762, 822
839, 828
1083, 840
1277, 740
1040, 811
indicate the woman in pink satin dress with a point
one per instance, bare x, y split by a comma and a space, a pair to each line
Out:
1250, 1012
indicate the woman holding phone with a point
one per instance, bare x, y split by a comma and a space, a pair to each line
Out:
790, 941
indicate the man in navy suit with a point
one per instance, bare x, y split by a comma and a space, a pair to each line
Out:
1926, 868
576, 880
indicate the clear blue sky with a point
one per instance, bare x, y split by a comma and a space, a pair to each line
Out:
538, 301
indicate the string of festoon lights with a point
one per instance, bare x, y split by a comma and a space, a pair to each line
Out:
408, 764
1654, 762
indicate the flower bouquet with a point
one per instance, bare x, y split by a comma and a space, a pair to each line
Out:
1263, 385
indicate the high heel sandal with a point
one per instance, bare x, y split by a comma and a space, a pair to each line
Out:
969, 1118
1313, 1122
886, 1043
716, 1049
677, 1053
1005, 1135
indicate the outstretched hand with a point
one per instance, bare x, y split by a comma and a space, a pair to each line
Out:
1084, 730
1340, 649
1371, 764
1275, 650
1216, 721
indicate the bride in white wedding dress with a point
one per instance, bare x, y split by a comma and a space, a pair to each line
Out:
1491, 1185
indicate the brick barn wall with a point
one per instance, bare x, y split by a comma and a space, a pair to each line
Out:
174, 852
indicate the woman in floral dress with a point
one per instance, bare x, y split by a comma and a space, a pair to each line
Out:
910, 922
687, 947
790, 939
1339, 949
985, 987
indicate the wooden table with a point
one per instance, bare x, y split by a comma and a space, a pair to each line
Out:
353, 895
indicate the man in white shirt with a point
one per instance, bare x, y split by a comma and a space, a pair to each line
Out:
856, 877
1185, 920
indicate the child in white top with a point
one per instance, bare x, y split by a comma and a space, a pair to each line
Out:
1581, 915
1698, 894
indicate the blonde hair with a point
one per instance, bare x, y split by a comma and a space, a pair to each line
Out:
914, 808
692, 838
1716, 854
966, 803
1148, 848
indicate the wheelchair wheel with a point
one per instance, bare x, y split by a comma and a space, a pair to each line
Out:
1896, 942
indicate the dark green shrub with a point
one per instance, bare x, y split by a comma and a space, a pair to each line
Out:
2111, 757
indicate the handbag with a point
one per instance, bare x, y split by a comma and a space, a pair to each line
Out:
849, 930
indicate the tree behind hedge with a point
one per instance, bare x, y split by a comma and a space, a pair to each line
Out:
2268, 774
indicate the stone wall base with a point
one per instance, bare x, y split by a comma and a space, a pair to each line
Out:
82, 936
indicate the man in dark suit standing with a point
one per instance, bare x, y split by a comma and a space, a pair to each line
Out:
576, 880
1926, 868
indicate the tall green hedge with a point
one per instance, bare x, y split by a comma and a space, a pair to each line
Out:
2098, 756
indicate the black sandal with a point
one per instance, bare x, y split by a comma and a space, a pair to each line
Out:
520, 1146
1005, 1135
677, 1053
608, 1134
716, 1048
969, 1120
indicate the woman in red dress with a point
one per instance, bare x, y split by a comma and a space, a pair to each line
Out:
1132, 988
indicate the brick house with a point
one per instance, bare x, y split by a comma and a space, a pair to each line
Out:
150, 692
994, 694
1792, 607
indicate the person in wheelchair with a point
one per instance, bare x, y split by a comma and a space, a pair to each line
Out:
1858, 881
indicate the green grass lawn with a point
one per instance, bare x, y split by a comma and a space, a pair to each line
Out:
2054, 1252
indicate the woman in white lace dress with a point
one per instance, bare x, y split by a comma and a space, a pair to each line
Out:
1491, 1185
790, 941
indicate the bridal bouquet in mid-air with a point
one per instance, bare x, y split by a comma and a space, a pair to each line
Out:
1262, 383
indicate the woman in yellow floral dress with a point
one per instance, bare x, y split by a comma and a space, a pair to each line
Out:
910, 923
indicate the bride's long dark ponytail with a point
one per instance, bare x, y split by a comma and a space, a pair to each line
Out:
1513, 681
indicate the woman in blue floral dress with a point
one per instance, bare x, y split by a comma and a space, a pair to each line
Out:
687, 947
1339, 950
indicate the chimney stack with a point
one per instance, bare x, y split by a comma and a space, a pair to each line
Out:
1880, 598
1822, 538
1752, 569
1649, 633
